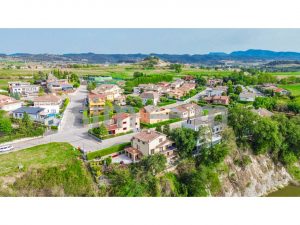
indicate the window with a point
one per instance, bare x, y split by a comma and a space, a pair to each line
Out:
125, 128
152, 151
160, 140
124, 122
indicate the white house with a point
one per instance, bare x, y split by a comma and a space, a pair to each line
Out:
51, 103
8, 103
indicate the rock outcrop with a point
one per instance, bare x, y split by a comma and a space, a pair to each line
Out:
259, 177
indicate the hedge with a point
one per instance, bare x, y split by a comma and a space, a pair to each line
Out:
107, 151
154, 125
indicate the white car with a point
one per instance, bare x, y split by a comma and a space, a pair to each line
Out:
6, 148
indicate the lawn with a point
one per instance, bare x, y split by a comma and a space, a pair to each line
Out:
53, 169
293, 88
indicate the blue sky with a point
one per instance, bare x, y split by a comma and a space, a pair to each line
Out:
172, 41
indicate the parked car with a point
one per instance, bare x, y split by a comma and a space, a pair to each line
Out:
81, 110
6, 148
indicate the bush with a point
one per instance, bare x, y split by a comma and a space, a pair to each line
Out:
147, 125
107, 151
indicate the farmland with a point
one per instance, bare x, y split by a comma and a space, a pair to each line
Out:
46, 170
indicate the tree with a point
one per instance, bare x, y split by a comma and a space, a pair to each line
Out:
213, 155
176, 67
266, 136
149, 102
155, 163
166, 129
265, 102
138, 74
218, 118
5, 125
200, 80
26, 120
158, 129
134, 101
238, 90
91, 86
185, 140
101, 131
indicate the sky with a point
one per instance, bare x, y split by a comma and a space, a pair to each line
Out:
126, 41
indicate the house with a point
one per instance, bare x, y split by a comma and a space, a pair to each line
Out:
189, 78
281, 91
59, 85
216, 91
50, 102
111, 91
150, 95
36, 114
185, 111
123, 122
146, 87
247, 96
96, 103
214, 82
177, 83
179, 92
224, 100
8, 103
24, 89
213, 129
153, 114
263, 112
149, 142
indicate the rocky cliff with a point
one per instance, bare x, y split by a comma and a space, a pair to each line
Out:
256, 176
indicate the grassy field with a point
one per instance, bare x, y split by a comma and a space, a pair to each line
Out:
293, 88
284, 74
47, 170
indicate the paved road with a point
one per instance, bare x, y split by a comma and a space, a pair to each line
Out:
72, 130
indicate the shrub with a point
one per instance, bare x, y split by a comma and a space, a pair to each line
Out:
107, 151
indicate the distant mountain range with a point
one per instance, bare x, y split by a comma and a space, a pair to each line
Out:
251, 55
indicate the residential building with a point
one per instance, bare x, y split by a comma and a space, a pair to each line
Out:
96, 103
123, 122
149, 142
9, 104
50, 102
224, 100
36, 114
177, 83
150, 95
179, 92
153, 114
185, 111
214, 82
212, 129
112, 91
281, 91
24, 89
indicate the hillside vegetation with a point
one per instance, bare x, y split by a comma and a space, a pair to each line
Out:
53, 169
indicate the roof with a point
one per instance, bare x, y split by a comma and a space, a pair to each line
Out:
150, 95
29, 110
47, 98
152, 108
133, 151
112, 127
148, 135
186, 107
247, 95
96, 96
121, 116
